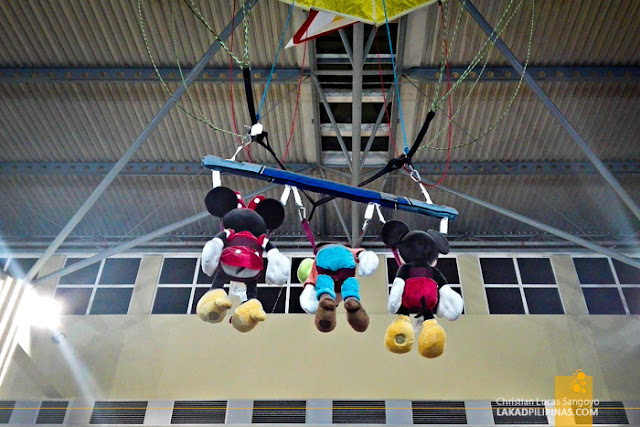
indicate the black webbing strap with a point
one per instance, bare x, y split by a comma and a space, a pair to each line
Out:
248, 90
393, 164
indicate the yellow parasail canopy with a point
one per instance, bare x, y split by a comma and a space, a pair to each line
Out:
367, 11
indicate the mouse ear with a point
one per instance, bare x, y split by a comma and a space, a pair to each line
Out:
272, 211
392, 232
442, 244
221, 200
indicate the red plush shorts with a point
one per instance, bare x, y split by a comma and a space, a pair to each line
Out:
417, 288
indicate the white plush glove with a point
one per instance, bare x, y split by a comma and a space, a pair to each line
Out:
309, 299
395, 296
278, 268
211, 255
367, 263
450, 303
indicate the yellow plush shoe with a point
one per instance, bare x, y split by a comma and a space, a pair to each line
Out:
431, 340
399, 336
213, 306
247, 315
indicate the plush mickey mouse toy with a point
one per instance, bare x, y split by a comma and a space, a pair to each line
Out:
236, 254
419, 288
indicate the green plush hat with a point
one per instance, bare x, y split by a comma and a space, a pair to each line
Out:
304, 269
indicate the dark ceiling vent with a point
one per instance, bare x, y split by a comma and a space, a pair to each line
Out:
199, 412
6, 408
438, 412
608, 413
519, 414
52, 412
279, 411
119, 412
359, 412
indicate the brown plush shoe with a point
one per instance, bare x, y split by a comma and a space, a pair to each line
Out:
326, 314
356, 316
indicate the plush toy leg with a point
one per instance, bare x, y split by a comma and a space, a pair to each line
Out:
400, 335
432, 339
247, 315
325, 320
213, 306
356, 315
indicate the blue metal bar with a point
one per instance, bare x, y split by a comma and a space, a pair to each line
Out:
435, 168
120, 164
323, 186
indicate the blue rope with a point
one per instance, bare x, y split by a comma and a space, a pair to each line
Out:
273, 67
395, 79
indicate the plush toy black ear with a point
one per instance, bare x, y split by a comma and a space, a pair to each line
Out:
442, 244
272, 211
221, 200
392, 232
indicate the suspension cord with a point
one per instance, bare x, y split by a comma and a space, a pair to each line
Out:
275, 60
194, 9
164, 84
395, 77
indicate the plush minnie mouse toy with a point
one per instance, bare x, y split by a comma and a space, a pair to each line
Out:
419, 288
236, 254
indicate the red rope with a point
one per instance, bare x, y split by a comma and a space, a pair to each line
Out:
446, 56
233, 109
295, 112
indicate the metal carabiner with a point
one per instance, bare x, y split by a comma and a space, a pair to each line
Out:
414, 174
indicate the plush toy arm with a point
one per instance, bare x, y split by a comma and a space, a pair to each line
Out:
211, 255
367, 263
278, 268
309, 300
395, 296
450, 303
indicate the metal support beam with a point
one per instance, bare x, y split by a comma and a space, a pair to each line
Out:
120, 164
399, 53
370, 40
356, 120
332, 119
433, 168
504, 49
347, 46
376, 126
544, 227
322, 210
141, 75
338, 212
139, 240
291, 75
540, 74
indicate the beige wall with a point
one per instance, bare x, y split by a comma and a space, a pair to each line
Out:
141, 356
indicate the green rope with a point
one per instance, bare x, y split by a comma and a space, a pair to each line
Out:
479, 55
164, 84
506, 110
474, 62
245, 21
194, 9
